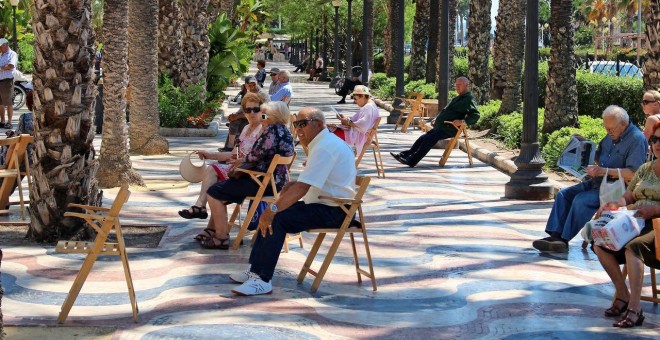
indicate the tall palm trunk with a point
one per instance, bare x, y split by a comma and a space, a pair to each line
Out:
561, 90
508, 52
169, 39
432, 53
652, 63
451, 7
387, 40
417, 66
143, 54
369, 31
479, 49
63, 167
195, 43
115, 166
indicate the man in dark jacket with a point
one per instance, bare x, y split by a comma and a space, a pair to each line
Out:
461, 109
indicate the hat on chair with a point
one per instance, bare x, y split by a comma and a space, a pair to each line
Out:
361, 89
191, 172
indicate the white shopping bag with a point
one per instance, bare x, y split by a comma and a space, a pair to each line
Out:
615, 228
611, 191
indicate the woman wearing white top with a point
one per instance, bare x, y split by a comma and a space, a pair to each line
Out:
251, 105
354, 130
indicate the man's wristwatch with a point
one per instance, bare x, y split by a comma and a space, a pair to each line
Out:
273, 208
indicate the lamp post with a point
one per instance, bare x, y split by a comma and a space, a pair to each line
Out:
14, 4
335, 4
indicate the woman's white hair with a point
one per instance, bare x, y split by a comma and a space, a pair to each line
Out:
617, 112
278, 111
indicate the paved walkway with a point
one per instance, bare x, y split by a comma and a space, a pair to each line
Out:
453, 259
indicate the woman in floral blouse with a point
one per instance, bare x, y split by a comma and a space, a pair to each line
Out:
275, 139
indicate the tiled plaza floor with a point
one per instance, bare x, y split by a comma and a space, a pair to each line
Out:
453, 259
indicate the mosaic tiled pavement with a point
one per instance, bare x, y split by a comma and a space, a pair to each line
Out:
453, 259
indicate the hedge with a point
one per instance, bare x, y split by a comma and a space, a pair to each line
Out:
590, 128
596, 92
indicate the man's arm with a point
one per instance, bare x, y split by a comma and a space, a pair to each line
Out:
291, 194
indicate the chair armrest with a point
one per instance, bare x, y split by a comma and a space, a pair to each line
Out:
251, 172
84, 216
340, 200
87, 207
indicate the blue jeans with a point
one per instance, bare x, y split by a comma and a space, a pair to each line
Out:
574, 206
299, 217
423, 145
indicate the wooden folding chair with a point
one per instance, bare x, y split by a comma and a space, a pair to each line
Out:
264, 179
103, 220
462, 129
372, 142
413, 109
11, 171
350, 206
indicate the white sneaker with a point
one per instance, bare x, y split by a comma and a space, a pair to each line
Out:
253, 286
242, 276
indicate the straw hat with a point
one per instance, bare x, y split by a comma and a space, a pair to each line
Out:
361, 89
191, 172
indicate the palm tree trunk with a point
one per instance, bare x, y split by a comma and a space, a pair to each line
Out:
115, 166
417, 65
169, 39
500, 44
451, 50
64, 164
561, 90
479, 49
369, 31
387, 41
652, 63
513, 56
195, 42
143, 53
432, 53
227, 6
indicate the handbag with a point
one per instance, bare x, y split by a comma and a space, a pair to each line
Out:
189, 171
611, 191
235, 174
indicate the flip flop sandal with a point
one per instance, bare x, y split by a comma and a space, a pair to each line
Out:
197, 212
206, 233
215, 243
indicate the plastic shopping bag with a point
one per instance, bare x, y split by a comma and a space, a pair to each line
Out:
611, 191
616, 228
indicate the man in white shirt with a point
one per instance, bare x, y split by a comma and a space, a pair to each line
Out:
8, 62
317, 69
330, 171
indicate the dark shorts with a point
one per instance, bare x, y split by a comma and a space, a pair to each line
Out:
643, 246
6, 92
235, 190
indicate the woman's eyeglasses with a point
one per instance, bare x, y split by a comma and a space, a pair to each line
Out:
264, 116
646, 102
252, 109
299, 124
654, 139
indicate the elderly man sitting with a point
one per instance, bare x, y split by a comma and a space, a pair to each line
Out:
624, 149
284, 91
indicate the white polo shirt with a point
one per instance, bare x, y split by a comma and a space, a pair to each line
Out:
330, 169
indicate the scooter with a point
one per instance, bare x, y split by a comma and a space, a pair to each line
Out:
21, 86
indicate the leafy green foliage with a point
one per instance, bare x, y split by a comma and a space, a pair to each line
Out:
176, 106
427, 89
26, 53
597, 91
509, 128
590, 128
487, 114
229, 55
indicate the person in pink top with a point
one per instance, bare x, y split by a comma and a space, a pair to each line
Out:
353, 130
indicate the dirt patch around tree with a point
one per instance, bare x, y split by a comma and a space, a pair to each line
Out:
135, 236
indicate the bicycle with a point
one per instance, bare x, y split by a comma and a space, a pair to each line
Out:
355, 72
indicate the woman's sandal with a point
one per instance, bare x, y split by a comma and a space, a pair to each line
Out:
627, 322
206, 233
616, 311
215, 243
194, 212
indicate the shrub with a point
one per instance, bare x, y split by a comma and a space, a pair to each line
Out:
488, 114
377, 81
460, 67
508, 128
428, 89
26, 53
597, 91
176, 106
590, 128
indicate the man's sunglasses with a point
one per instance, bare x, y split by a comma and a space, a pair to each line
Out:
299, 124
645, 102
654, 139
252, 109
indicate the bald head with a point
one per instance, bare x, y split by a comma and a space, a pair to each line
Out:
461, 85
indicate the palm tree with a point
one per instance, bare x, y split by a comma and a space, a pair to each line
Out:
169, 39
478, 48
419, 35
561, 90
508, 52
432, 53
387, 40
451, 30
195, 42
368, 27
115, 166
652, 64
143, 54
64, 165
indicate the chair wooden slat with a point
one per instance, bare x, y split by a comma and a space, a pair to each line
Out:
11, 172
462, 129
413, 109
372, 142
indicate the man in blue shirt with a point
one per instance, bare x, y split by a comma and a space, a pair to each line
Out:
285, 91
624, 148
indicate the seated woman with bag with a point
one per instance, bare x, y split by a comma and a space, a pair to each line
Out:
354, 130
251, 105
644, 194
275, 139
